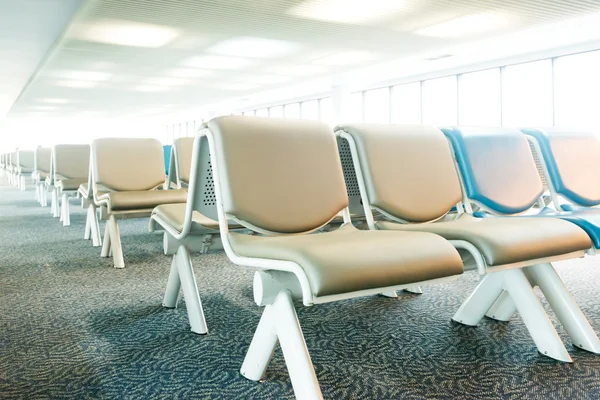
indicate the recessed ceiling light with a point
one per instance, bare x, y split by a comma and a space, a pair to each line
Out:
462, 26
298, 70
86, 75
54, 101
217, 62
253, 47
349, 57
347, 11
188, 73
126, 33
151, 88
167, 81
267, 79
77, 84
239, 86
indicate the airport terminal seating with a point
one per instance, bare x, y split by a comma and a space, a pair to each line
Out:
282, 180
41, 161
128, 177
70, 165
566, 157
167, 157
407, 174
180, 163
190, 227
24, 167
12, 160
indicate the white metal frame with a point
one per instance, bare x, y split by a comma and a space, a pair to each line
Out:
92, 225
511, 282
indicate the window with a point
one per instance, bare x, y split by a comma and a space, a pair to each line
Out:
248, 113
479, 98
325, 112
527, 94
577, 90
377, 106
310, 109
356, 108
276, 112
263, 112
406, 103
439, 101
292, 110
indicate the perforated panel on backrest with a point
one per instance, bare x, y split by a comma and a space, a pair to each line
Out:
572, 158
202, 190
279, 175
352, 189
128, 164
497, 167
538, 164
408, 169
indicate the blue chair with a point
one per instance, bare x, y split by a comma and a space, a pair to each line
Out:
499, 175
566, 157
167, 155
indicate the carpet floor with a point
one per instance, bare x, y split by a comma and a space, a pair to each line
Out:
72, 326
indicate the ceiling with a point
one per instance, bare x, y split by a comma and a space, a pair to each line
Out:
135, 58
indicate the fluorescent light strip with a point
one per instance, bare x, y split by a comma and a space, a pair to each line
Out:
125, 33
348, 11
253, 47
350, 57
467, 25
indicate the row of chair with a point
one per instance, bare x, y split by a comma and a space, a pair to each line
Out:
366, 209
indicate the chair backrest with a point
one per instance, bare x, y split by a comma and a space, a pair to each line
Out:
42, 159
13, 159
352, 189
183, 159
571, 158
498, 170
124, 164
408, 170
167, 156
201, 189
70, 161
25, 159
277, 175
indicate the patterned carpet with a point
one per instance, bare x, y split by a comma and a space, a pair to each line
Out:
71, 326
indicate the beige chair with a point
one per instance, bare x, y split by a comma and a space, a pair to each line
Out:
23, 167
190, 227
12, 168
127, 175
282, 179
180, 163
41, 170
407, 174
70, 166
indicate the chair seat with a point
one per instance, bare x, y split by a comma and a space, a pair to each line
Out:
141, 200
174, 216
506, 240
41, 175
69, 184
588, 220
348, 260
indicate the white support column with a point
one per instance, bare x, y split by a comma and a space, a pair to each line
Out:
87, 231
94, 226
564, 306
44, 196
105, 252
115, 239
473, 309
261, 348
189, 287
66, 217
503, 309
171, 297
532, 312
341, 104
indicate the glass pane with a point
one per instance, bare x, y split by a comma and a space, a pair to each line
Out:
292, 110
310, 109
276, 112
246, 113
577, 91
406, 103
439, 101
263, 112
479, 98
377, 106
325, 108
527, 94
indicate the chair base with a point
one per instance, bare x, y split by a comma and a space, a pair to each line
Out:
181, 278
500, 294
112, 242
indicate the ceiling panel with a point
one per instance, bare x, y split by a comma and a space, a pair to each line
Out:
161, 55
